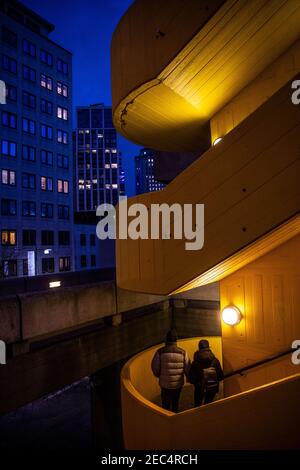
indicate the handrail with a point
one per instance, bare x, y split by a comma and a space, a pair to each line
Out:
259, 363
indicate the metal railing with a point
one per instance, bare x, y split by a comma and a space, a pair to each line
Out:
259, 363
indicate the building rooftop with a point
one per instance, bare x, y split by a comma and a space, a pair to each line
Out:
14, 7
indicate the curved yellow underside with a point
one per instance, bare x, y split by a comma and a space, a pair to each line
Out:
168, 112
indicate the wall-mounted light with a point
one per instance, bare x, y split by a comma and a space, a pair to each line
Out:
47, 251
231, 315
54, 284
217, 140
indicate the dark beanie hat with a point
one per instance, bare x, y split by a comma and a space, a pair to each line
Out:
203, 344
171, 336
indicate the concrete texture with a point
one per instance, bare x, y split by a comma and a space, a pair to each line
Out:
48, 313
208, 292
9, 320
60, 421
129, 300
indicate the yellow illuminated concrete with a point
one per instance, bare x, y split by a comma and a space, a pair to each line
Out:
249, 184
166, 108
256, 419
257, 92
266, 291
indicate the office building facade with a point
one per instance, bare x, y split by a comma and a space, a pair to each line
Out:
36, 164
96, 158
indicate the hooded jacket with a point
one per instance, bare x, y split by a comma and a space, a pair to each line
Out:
203, 359
170, 363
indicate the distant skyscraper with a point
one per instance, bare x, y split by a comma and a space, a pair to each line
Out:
36, 167
96, 158
144, 172
122, 178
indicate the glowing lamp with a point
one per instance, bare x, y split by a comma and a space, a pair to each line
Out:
54, 284
216, 141
231, 315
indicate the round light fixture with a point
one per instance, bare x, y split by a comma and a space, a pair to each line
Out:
217, 140
231, 315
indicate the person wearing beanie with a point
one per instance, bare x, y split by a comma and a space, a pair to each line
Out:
205, 374
170, 364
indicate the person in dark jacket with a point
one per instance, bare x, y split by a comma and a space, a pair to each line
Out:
205, 374
170, 364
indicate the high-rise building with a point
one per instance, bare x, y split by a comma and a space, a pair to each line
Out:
122, 177
35, 142
96, 158
144, 172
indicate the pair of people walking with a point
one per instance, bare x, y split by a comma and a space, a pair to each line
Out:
171, 364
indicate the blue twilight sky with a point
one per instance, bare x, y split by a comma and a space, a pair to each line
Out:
85, 28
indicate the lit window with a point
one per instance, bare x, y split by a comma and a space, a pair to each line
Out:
46, 183
62, 113
62, 89
8, 237
8, 177
63, 186
46, 82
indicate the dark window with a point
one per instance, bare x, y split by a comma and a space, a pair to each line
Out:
9, 268
46, 183
83, 261
46, 210
64, 263
9, 64
28, 181
28, 126
83, 118
62, 89
62, 161
9, 120
47, 157
11, 93
33, 26
108, 118
46, 107
97, 121
82, 239
28, 153
29, 48
8, 237
9, 37
93, 260
47, 265
29, 100
8, 148
47, 237
62, 66
46, 58
46, 132
46, 82
64, 238
29, 73
8, 177
28, 209
62, 137
8, 207
25, 267
63, 212
29, 237
92, 239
